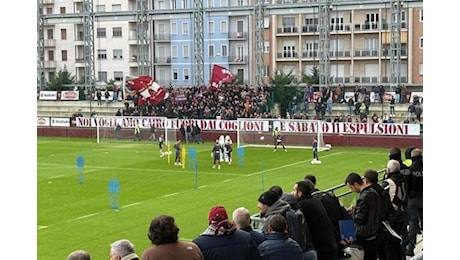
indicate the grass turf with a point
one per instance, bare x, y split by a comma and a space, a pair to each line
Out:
73, 215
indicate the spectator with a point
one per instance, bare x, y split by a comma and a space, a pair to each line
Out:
398, 98
164, 236
392, 105
99, 97
152, 132
365, 214
137, 133
118, 113
115, 93
278, 244
415, 200
188, 133
351, 105
197, 133
79, 255
182, 132
321, 229
242, 220
123, 249
223, 241
118, 131
107, 96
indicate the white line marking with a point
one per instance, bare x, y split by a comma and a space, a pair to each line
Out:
87, 216
130, 205
201, 187
169, 195
55, 177
227, 180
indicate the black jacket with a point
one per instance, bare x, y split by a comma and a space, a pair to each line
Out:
367, 214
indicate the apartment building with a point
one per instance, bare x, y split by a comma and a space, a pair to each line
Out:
359, 39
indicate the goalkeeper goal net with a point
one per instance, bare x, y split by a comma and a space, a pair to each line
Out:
296, 133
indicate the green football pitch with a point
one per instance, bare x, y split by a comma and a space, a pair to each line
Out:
75, 205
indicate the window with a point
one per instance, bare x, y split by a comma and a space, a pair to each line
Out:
421, 43
51, 75
266, 22
116, 32
185, 51
161, 5
211, 27
62, 10
64, 55
102, 76
223, 3
49, 10
100, 8
50, 55
186, 75
116, 7
173, 4
49, 33
184, 4
101, 54
266, 47
224, 27
421, 15
185, 28
420, 69
288, 24
240, 3
174, 28
175, 75
117, 54
211, 51
101, 33
224, 50
63, 34
174, 51
210, 3
118, 75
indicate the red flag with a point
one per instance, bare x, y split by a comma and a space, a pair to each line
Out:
220, 75
149, 89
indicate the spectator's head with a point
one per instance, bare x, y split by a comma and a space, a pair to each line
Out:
241, 217
163, 230
303, 189
277, 189
371, 176
416, 153
277, 223
393, 166
122, 249
395, 153
217, 214
408, 151
79, 255
310, 177
354, 182
266, 200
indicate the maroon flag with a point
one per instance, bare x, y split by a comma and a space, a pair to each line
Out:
150, 90
220, 75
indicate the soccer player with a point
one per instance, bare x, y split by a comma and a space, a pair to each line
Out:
275, 134
315, 149
161, 143
228, 150
178, 149
216, 152
279, 141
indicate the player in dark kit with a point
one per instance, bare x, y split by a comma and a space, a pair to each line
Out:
178, 149
279, 141
228, 150
315, 150
216, 153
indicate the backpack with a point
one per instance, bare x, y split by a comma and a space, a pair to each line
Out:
297, 227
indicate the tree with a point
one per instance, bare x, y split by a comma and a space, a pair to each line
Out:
63, 77
313, 78
284, 90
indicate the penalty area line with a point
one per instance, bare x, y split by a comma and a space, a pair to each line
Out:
87, 216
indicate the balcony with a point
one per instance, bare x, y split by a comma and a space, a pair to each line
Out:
237, 35
238, 59
339, 54
366, 53
50, 43
50, 2
50, 64
311, 28
287, 55
162, 37
163, 60
287, 30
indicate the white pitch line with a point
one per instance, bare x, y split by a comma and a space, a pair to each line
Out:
130, 205
291, 164
87, 216
227, 180
169, 195
55, 177
204, 186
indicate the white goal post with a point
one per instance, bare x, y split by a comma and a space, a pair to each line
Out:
297, 133
106, 129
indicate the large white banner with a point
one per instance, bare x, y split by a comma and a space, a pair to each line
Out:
254, 125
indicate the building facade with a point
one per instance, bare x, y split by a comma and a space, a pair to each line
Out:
359, 38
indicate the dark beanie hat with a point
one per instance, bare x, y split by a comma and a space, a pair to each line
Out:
268, 198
